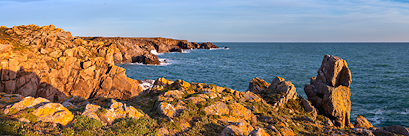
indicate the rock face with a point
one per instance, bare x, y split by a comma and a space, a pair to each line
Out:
131, 50
48, 62
330, 92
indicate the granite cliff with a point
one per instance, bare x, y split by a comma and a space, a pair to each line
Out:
56, 84
50, 63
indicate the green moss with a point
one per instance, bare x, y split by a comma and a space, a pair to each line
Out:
204, 127
10, 127
31, 117
29, 109
142, 126
84, 122
13, 111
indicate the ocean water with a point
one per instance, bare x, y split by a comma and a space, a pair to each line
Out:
380, 71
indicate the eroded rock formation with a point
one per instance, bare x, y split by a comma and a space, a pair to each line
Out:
330, 92
49, 62
131, 50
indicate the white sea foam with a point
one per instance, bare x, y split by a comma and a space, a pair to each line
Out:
221, 48
155, 52
146, 84
186, 50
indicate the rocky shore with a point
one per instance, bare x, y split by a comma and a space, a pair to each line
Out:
55, 84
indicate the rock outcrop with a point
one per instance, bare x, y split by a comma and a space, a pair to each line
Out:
40, 109
361, 121
330, 92
131, 50
278, 93
116, 110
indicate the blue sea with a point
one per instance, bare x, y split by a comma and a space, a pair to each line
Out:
380, 71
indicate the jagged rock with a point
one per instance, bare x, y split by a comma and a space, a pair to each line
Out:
258, 132
330, 92
162, 82
251, 97
179, 84
397, 130
361, 121
219, 108
279, 93
309, 108
237, 129
54, 113
257, 84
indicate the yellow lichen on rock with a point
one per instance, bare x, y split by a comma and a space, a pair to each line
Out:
26, 103
238, 110
54, 113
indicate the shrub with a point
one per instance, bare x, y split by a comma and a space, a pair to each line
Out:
141, 126
84, 122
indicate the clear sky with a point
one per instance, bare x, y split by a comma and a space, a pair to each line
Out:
220, 20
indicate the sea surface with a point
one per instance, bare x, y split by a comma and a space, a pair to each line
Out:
380, 71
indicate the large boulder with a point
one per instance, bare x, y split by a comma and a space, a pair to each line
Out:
54, 113
330, 92
278, 93
257, 84
237, 129
361, 121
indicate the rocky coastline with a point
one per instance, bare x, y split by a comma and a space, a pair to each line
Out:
55, 84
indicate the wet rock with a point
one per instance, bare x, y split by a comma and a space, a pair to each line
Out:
330, 92
361, 121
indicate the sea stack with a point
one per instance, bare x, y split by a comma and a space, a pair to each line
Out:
330, 91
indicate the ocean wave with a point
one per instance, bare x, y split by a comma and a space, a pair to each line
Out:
222, 48
156, 53
146, 84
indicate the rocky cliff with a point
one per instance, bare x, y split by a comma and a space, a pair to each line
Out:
131, 50
78, 90
50, 63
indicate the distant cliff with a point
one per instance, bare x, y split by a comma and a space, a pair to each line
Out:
131, 50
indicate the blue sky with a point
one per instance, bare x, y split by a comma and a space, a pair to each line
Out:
220, 20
